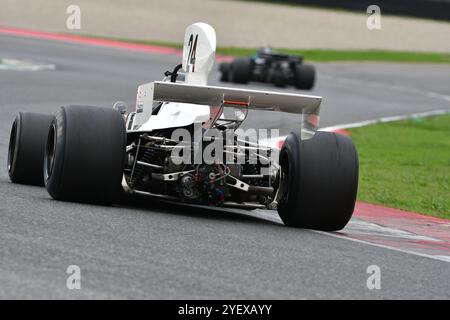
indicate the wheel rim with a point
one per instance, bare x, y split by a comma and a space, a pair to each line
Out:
50, 151
12, 146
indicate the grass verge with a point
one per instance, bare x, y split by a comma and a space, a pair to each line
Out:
322, 55
406, 164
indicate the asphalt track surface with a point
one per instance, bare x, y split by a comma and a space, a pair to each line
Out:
158, 251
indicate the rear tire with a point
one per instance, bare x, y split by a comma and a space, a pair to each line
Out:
26, 148
305, 76
319, 181
240, 70
84, 155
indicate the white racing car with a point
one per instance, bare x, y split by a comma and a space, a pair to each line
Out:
184, 143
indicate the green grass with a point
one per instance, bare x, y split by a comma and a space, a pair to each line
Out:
323, 55
406, 164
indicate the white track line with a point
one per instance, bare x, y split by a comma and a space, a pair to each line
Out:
20, 65
273, 142
387, 119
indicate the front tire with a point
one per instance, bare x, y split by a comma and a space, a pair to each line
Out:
84, 155
319, 181
26, 148
305, 76
224, 69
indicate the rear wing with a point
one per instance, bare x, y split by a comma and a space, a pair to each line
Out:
253, 99
160, 91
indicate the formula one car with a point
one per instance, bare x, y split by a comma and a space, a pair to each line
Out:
270, 67
183, 143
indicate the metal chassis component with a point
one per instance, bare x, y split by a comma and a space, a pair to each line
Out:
168, 144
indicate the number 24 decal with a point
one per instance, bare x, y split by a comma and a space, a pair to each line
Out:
192, 44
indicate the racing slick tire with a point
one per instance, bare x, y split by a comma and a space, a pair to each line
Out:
84, 155
26, 148
305, 76
224, 70
319, 181
240, 70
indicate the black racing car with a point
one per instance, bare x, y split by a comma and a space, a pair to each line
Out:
270, 67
